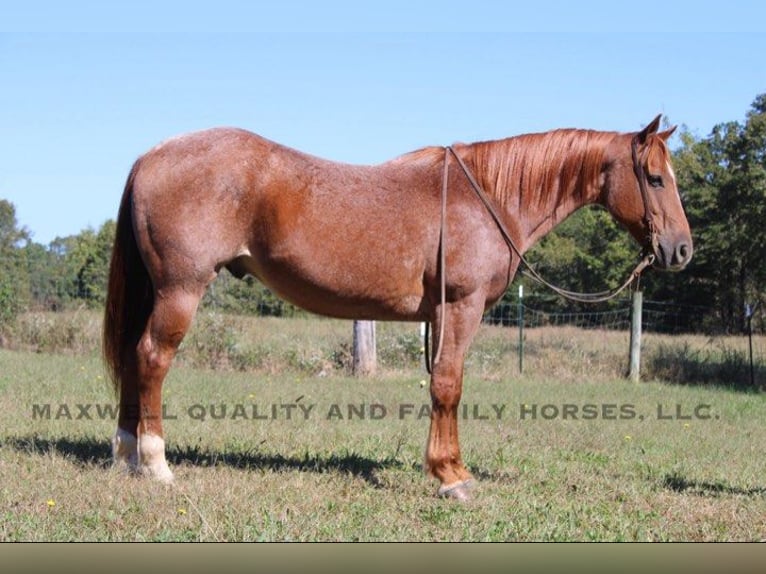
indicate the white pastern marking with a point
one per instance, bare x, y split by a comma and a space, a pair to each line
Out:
151, 454
125, 449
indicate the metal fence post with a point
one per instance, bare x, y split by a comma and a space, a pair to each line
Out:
634, 373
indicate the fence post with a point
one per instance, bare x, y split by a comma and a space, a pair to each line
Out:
365, 355
749, 311
634, 373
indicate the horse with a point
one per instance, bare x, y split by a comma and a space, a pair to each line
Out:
404, 240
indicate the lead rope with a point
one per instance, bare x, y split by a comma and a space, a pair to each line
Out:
442, 270
598, 297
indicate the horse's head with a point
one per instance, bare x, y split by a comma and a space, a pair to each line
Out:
640, 192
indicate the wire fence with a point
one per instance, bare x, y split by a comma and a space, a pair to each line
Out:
658, 317
616, 319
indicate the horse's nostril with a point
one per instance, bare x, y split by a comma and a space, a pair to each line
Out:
683, 253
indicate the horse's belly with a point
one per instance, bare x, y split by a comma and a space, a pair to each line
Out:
346, 292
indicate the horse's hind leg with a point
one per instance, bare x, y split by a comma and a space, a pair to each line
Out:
141, 394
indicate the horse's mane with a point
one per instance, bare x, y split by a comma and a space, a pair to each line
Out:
531, 170
540, 169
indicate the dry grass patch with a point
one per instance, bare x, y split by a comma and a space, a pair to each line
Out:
623, 474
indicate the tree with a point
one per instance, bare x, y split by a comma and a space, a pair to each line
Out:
93, 274
588, 252
13, 275
43, 266
723, 183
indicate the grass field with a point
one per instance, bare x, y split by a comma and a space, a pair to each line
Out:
566, 451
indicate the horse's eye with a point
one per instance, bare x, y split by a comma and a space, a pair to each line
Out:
655, 180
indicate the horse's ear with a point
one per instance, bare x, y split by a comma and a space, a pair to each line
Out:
650, 129
667, 133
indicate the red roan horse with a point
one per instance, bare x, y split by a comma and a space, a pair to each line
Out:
357, 242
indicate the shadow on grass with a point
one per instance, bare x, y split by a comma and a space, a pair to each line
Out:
91, 451
348, 463
678, 483
721, 367
84, 451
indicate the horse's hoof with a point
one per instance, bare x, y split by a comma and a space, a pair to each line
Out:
159, 473
459, 491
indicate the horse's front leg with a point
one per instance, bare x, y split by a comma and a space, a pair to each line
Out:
443, 459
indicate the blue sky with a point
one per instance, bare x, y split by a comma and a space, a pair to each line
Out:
352, 81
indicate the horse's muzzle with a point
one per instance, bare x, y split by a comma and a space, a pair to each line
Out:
673, 254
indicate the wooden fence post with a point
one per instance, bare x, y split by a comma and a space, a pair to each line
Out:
365, 355
634, 374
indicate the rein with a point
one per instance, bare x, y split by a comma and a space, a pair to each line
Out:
599, 297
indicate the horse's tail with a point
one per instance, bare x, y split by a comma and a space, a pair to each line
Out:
129, 298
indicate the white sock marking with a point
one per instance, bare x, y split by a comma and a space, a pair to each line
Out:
124, 449
151, 454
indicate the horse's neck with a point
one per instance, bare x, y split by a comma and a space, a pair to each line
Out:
539, 219
533, 193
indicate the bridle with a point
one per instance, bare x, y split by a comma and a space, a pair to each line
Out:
652, 237
647, 252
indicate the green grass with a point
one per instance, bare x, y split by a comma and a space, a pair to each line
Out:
622, 474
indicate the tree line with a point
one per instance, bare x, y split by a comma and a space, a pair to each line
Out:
721, 178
